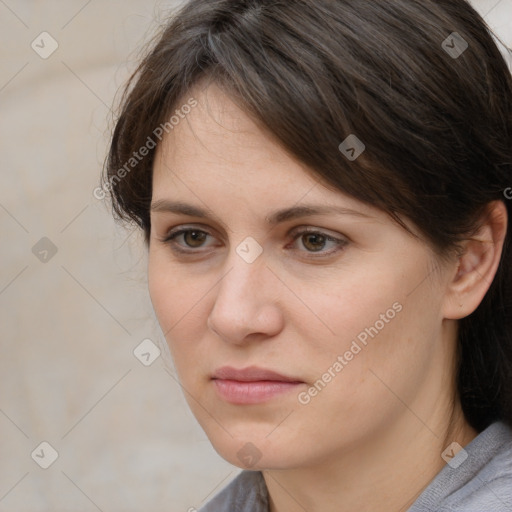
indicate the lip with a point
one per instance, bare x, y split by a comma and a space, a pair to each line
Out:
251, 385
251, 374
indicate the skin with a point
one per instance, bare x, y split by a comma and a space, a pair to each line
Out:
381, 423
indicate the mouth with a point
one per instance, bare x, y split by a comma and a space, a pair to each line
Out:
251, 385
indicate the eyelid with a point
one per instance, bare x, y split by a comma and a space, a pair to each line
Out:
173, 233
321, 231
299, 231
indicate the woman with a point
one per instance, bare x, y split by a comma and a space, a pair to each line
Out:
322, 189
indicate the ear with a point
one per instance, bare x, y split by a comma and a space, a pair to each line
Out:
474, 271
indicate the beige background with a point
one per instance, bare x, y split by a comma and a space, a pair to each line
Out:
125, 438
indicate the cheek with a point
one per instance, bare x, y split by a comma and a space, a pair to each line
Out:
172, 293
180, 303
388, 353
379, 330
163, 298
350, 308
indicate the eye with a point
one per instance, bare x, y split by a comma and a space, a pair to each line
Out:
193, 239
315, 241
312, 240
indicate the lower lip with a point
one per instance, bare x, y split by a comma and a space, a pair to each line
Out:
237, 392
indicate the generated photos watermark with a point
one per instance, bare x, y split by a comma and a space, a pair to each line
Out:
137, 156
304, 397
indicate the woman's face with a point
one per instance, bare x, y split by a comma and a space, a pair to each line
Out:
344, 303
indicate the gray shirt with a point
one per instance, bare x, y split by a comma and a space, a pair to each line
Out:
476, 479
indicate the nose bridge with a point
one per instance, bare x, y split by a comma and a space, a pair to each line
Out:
246, 270
243, 302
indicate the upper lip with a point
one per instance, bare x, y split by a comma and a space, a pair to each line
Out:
251, 374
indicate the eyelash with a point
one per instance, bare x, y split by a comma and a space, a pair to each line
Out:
169, 239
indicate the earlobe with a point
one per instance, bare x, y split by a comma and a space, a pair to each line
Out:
475, 269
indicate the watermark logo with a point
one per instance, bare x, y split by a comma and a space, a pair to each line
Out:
44, 455
44, 250
454, 45
454, 455
44, 45
249, 455
352, 147
146, 352
249, 250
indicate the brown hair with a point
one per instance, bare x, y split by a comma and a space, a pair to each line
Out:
433, 108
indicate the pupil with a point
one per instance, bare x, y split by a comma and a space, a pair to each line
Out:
194, 237
320, 241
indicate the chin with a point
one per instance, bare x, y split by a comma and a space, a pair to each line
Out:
251, 448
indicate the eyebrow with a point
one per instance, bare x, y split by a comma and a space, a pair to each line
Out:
276, 217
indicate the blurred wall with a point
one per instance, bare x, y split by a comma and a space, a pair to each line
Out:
117, 434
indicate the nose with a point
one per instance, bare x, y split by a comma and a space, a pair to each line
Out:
247, 305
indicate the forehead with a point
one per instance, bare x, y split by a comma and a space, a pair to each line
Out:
220, 146
217, 157
216, 130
